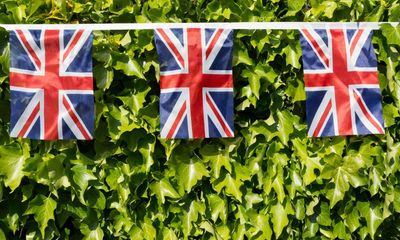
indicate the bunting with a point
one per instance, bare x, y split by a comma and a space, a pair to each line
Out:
51, 84
341, 79
196, 98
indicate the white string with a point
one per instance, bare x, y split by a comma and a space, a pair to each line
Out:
223, 25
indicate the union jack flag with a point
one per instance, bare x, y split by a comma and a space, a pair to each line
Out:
196, 82
341, 79
51, 84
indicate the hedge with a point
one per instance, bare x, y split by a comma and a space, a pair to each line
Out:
271, 181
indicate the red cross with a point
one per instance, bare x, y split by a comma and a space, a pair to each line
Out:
195, 80
340, 79
51, 82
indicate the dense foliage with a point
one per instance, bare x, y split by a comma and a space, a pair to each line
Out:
270, 181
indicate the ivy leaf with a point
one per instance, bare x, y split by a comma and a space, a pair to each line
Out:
241, 56
43, 210
103, 76
217, 158
254, 81
169, 234
232, 186
95, 198
217, 207
344, 172
163, 189
352, 220
149, 232
119, 121
34, 6
293, 53
81, 177
375, 177
340, 230
261, 225
396, 201
295, 5
372, 214
135, 101
96, 234
277, 185
12, 160
327, 8
191, 216
285, 126
390, 113
190, 173
129, 66
146, 148
311, 164
324, 218
392, 34
2, 235
279, 218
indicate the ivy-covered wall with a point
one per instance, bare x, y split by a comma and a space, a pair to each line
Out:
270, 181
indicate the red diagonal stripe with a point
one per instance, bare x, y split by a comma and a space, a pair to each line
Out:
213, 42
316, 46
29, 122
219, 117
366, 113
355, 40
29, 48
73, 41
75, 119
177, 120
323, 119
171, 45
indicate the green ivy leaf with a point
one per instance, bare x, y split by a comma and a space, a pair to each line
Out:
254, 81
340, 184
311, 164
279, 218
12, 161
295, 5
163, 189
149, 232
392, 34
81, 177
191, 216
241, 56
217, 158
285, 126
232, 186
326, 8
129, 66
190, 173
103, 76
277, 185
96, 234
352, 220
372, 214
135, 101
217, 207
324, 217
261, 225
169, 234
43, 210
293, 53
390, 113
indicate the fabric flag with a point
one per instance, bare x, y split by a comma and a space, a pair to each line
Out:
341, 80
196, 98
51, 84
